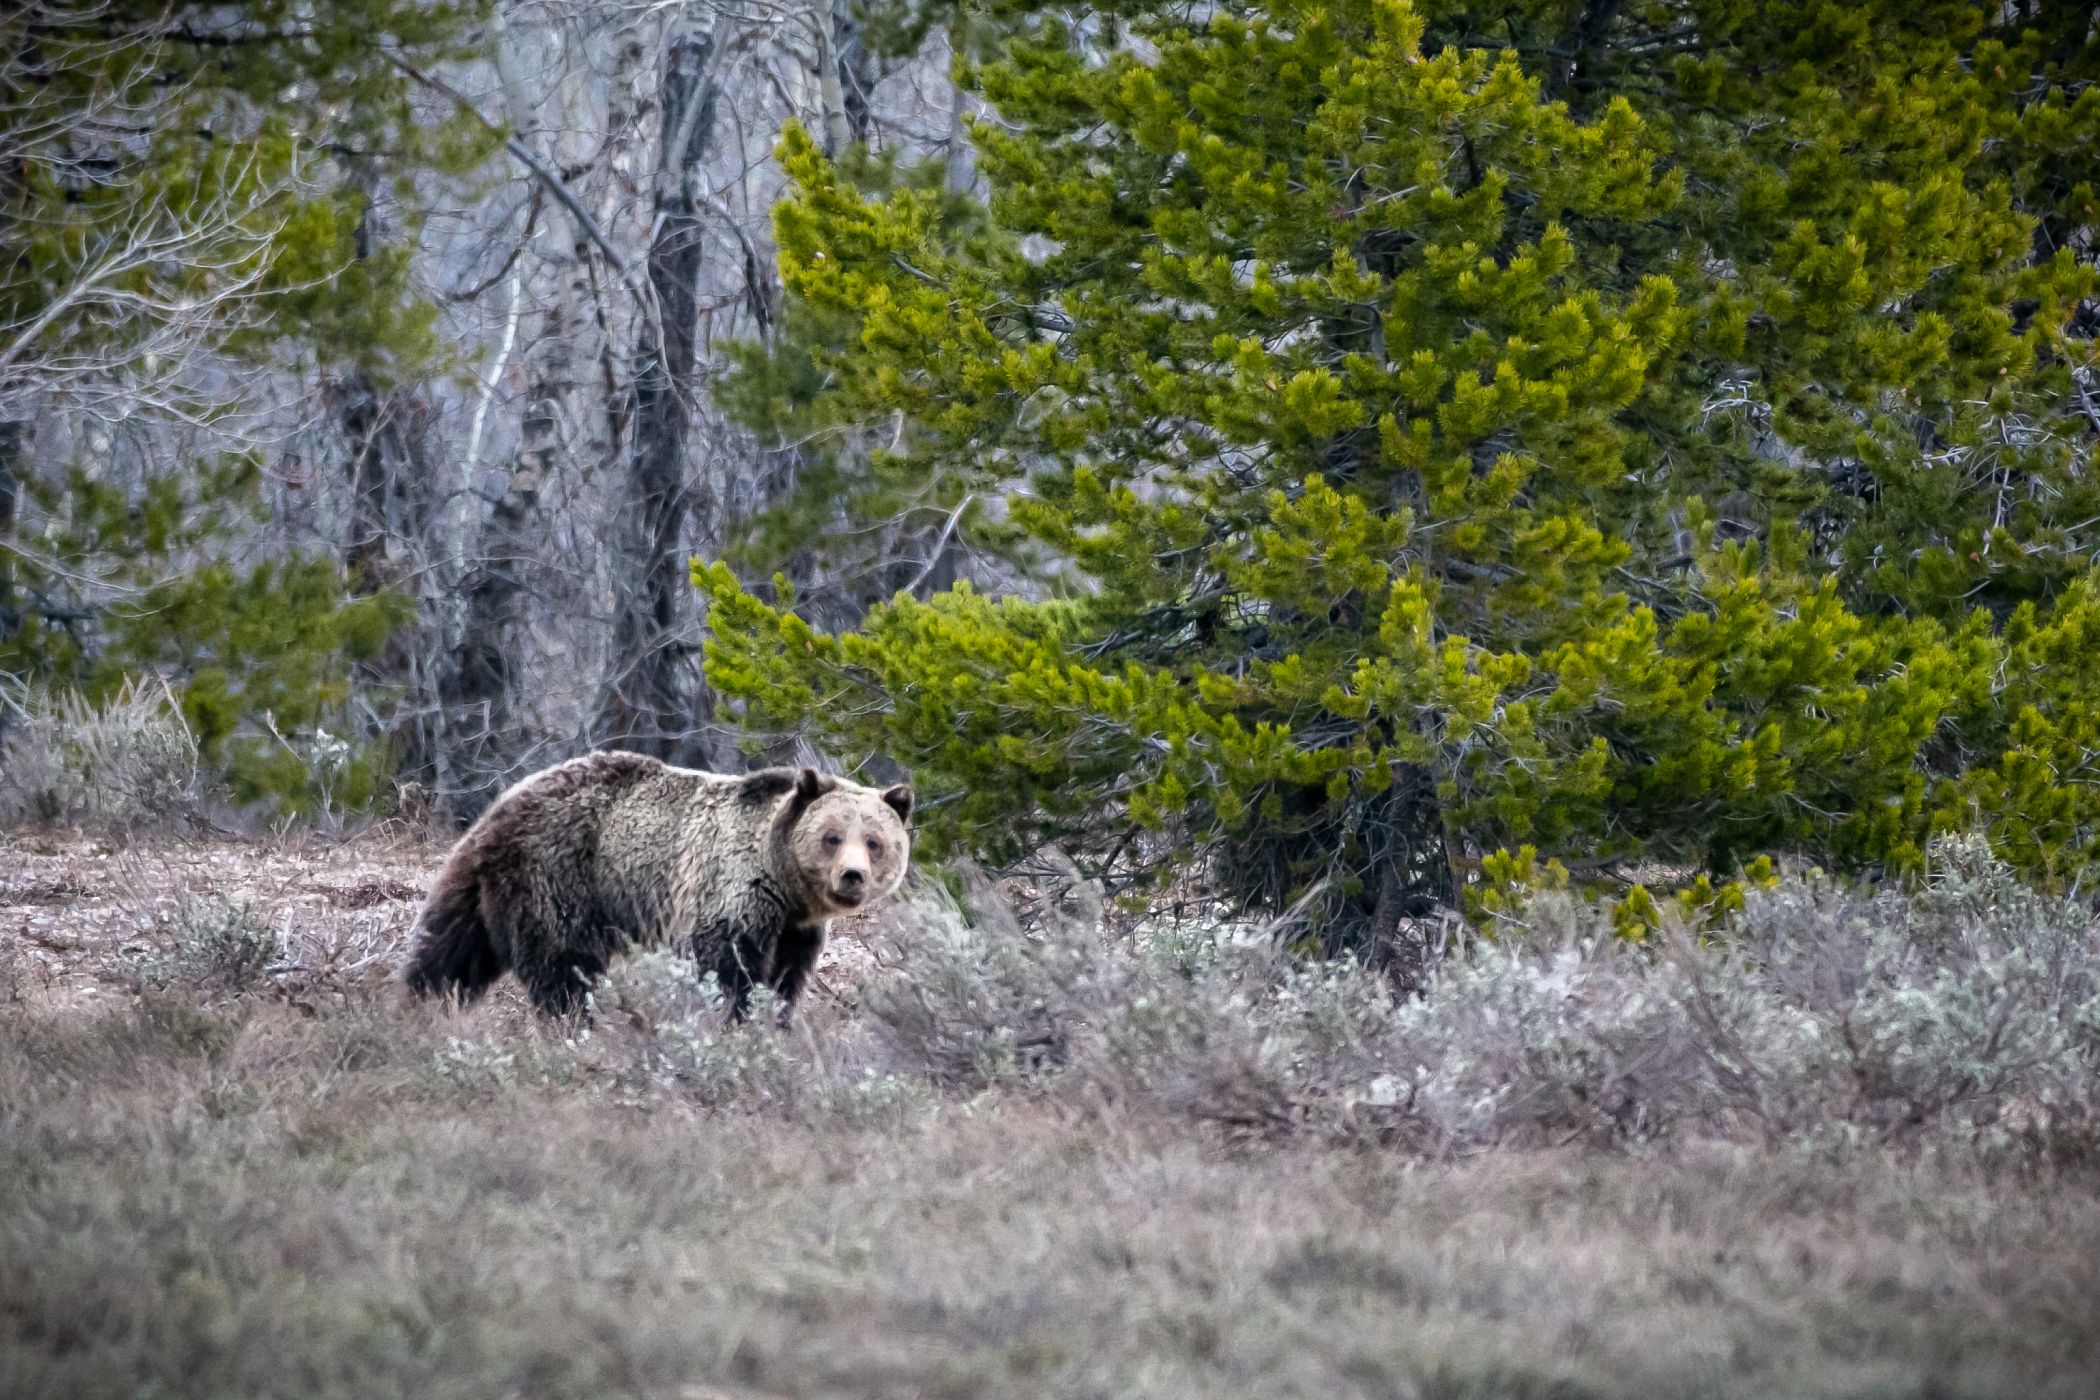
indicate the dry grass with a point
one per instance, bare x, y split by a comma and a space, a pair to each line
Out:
125, 765
304, 1188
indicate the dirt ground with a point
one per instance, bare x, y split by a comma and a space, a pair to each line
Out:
80, 911
80, 908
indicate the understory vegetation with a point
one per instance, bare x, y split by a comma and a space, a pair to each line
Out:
1845, 1146
1962, 1017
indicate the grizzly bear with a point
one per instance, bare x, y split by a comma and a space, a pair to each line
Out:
579, 862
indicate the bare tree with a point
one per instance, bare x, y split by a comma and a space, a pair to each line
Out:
542, 63
855, 66
119, 293
652, 702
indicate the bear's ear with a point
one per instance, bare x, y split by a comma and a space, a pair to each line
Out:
899, 797
809, 786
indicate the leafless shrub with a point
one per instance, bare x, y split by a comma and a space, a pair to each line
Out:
476, 1066
1951, 1007
127, 764
331, 955
660, 1028
1963, 1016
977, 1004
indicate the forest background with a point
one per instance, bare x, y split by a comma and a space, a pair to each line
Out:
1384, 457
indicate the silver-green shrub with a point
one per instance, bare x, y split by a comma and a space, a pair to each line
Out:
211, 944
1962, 1011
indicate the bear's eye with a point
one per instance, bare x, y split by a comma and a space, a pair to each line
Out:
832, 839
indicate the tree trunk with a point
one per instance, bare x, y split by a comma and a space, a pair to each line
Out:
1386, 853
1413, 885
387, 430
961, 171
392, 488
855, 69
480, 686
653, 702
12, 434
1569, 72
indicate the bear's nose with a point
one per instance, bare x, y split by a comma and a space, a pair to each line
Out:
849, 878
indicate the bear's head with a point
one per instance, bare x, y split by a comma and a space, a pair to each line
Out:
849, 843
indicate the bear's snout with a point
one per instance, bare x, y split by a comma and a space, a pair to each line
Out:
849, 886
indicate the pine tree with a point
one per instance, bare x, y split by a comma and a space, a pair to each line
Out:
261, 649
1452, 463
896, 505
1891, 207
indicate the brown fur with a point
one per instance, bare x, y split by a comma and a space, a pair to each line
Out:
614, 850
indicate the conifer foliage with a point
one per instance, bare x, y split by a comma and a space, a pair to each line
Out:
1481, 444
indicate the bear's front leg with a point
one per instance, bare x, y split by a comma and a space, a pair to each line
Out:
793, 961
740, 962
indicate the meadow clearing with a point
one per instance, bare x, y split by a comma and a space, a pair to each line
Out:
1021, 1151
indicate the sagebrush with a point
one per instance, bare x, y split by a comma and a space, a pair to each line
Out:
1963, 1016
